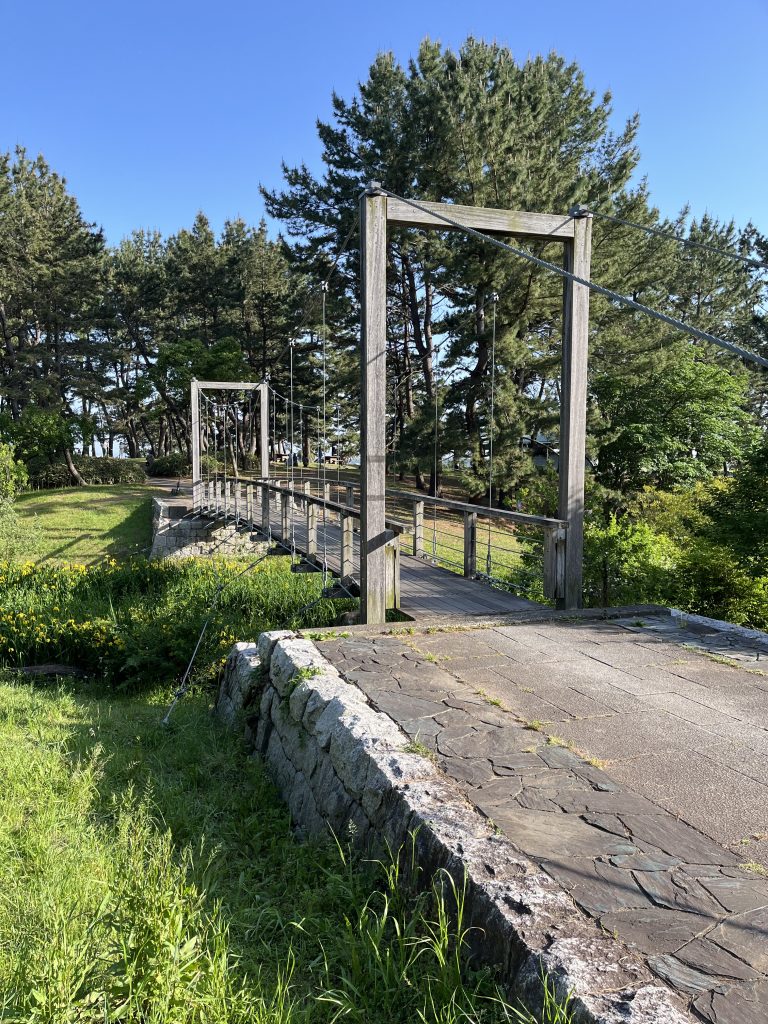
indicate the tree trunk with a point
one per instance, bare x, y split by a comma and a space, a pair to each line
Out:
73, 471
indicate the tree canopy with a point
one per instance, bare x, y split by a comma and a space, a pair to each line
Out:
99, 343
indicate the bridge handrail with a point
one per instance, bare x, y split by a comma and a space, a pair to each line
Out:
554, 530
523, 518
333, 506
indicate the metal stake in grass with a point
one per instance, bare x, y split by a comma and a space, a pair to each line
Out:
186, 680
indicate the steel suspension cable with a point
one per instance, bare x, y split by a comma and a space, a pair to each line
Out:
224, 445
625, 300
435, 453
323, 452
324, 286
290, 456
488, 561
689, 243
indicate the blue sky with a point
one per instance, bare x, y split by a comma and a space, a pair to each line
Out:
153, 111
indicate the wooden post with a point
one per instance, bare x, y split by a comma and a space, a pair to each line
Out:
285, 528
350, 498
312, 531
573, 408
249, 505
195, 404
264, 452
347, 547
265, 510
418, 529
392, 555
470, 545
554, 563
373, 370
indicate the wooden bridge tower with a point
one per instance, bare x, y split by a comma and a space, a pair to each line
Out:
378, 210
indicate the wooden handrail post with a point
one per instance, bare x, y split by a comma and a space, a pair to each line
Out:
249, 505
418, 529
470, 544
350, 497
392, 550
311, 531
555, 555
347, 535
265, 510
285, 529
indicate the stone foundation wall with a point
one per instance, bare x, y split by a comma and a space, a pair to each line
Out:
177, 534
340, 764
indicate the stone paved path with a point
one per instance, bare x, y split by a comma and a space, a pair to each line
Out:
627, 763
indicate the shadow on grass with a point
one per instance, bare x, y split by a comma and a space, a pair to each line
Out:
84, 534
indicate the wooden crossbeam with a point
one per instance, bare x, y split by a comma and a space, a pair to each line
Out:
492, 222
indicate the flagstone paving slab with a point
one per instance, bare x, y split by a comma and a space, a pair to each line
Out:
649, 819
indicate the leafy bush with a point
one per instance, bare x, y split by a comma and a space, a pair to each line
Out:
709, 580
740, 512
137, 622
13, 474
682, 514
176, 464
101, 470
627, 563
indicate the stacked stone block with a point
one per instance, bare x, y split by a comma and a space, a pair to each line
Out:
176, 534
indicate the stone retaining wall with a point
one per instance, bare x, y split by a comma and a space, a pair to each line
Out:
343, 765
177, 534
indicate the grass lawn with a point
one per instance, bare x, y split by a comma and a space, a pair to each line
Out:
88, 524
149, 876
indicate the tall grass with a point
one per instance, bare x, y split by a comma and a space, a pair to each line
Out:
136, 622
149, 875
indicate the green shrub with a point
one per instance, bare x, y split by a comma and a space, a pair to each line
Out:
627, 563
94, 470
709, 580
175, 464
137, 622
13, 473
208, 464
681, 514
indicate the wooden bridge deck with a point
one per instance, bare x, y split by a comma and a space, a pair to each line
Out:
426, 590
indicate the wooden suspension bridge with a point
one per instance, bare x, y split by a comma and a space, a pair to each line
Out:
354, 536
442, 558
